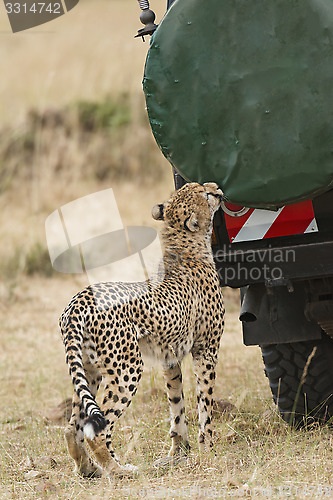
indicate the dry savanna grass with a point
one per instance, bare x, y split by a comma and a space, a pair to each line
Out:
51, 154
73, 122
254, 450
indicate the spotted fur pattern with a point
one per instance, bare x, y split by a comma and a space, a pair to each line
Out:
109, 327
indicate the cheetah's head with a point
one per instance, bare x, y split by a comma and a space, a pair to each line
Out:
191, 208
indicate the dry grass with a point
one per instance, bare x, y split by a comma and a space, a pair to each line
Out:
254, 449
47, 156
87, 55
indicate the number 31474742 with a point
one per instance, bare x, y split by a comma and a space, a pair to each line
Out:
35, 8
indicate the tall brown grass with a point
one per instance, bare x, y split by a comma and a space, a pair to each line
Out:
73, 121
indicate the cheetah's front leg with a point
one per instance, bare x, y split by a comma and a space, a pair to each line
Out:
178, 432
204, 369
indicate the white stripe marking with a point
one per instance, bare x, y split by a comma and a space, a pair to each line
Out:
257, 225
312, 227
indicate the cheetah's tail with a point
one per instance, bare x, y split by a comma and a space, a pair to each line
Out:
93, 425
72, 337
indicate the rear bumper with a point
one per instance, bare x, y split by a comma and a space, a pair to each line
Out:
275, 264
276, 260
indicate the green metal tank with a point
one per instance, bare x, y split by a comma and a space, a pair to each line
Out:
240, 92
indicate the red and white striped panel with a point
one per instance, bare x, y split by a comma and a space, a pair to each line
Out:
256, 224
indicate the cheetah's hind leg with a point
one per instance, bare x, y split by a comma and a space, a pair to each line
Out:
119, 388
84, 465
74, 432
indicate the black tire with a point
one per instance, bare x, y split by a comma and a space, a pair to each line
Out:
301, 380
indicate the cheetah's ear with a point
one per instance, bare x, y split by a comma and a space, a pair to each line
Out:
191, 223
158, 212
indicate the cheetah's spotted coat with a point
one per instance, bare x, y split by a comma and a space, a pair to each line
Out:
108, 327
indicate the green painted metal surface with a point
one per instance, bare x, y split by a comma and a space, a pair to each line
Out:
241, 92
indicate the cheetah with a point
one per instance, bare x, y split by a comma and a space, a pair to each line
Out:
108, 328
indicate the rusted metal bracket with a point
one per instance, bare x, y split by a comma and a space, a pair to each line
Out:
147, 18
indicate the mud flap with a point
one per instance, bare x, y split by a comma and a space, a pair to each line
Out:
281, 317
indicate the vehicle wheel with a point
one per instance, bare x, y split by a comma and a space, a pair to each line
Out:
301, 379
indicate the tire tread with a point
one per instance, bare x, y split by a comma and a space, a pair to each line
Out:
284, 367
